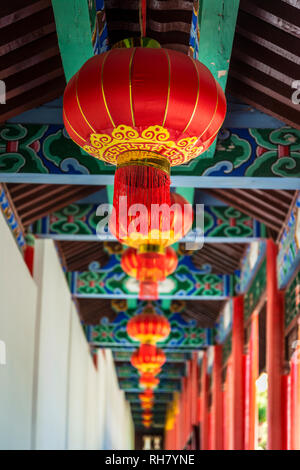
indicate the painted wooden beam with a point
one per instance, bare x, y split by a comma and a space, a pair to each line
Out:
79, 222
245, 158
74, 34
217, 20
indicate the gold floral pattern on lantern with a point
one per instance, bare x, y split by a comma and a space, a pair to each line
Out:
157, 139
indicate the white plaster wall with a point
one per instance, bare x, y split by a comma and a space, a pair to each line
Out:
18, 295
91, 405
52, 353
77, 387
51, 395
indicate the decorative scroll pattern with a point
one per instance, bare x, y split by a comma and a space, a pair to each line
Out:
165, 385
11, 219
186, 281
255, 252
171, 371
156, 139
239, 152
255, 291
224, 325
288, 259
184, 335
227, 347
98, 26
158, 398
292, 300
171, 356
195, 33
81, 219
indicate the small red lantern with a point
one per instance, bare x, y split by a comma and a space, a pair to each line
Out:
147, 424
148, 380
146, 405
148, 326
149, 267
148, 358
147, 415
147, 395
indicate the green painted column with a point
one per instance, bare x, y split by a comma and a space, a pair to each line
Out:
74, 34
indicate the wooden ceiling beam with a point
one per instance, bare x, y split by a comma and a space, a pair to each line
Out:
260, 215
26, 57
30, 29
60, 202
12, 12
252, 199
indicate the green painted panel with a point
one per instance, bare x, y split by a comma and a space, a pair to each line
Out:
72, 19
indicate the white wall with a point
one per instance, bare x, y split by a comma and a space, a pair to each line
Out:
51, 394
18, 294
54, 307
77, 388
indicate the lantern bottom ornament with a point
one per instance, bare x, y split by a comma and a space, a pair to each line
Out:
148, 290
142, 182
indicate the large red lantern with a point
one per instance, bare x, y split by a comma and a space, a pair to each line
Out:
148, 326
155, 229
148, 380
148, 358
144, 110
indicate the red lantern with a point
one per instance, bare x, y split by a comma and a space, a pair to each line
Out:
147, 395
148, 358
149, 265
154, 229
149, 268
148, 326
146, 405
147, 415
143, 110
147, 424
148, 380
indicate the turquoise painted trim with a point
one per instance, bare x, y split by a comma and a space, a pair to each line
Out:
132, 303
161, 297
95, 238
188, 193
74, 34
243, 182
110, 193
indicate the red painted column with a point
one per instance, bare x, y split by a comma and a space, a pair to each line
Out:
274, 337
29, 252
238, 381
204, 404
285, 411
252, 371
217, 400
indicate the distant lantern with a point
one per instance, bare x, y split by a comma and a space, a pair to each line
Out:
148, 358
149, 266
148, 326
